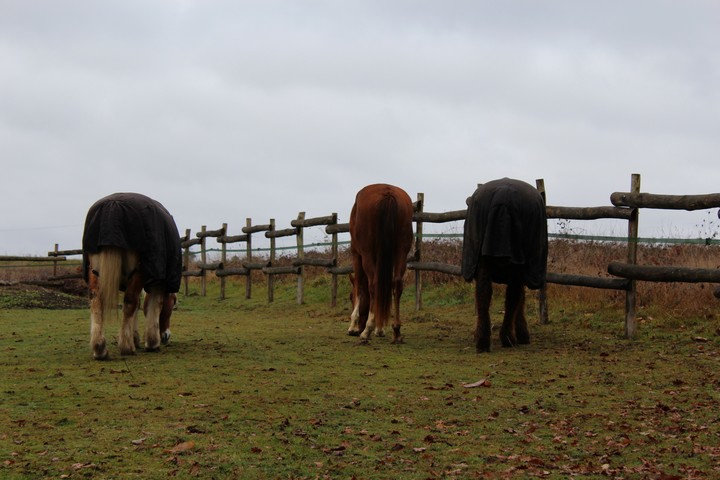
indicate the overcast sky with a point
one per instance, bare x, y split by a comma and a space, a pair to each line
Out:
223, 110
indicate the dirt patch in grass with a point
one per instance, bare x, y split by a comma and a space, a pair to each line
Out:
31, 296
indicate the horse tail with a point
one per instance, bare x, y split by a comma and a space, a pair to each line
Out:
109, 269
387, 222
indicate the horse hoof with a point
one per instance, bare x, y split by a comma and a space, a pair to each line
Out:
354, 333
100, 351
379, 333
165, 337
101, 356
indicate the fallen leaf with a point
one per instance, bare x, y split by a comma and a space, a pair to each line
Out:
700, 339
484, 382
139, 441
182, 447
419, 449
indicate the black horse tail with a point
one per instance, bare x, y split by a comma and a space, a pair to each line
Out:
386, 239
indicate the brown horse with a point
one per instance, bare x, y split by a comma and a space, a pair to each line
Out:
380, 238
131, 243
505, 241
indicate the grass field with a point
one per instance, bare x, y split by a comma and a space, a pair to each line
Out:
251, 390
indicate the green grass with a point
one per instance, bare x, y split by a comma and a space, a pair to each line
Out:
280, 391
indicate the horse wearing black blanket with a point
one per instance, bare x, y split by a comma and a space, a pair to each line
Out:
505, 241
131, 242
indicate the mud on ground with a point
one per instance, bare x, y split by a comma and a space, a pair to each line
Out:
33, 296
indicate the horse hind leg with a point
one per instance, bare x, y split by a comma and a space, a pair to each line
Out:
370, 324
153, 304
513, 294
369, 327
354, 327
97, 338
129, 339
169, 302
521, 328
483, 297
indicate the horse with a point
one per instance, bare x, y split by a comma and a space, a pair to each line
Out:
505, 241
130, 244
380, 239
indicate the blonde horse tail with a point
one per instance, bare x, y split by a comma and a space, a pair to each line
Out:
109, 270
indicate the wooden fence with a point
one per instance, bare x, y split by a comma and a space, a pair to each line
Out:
625, 206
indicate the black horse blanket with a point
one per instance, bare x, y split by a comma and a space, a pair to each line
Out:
506, 223
136, 222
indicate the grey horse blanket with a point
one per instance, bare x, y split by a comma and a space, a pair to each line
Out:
136, 222
506, 222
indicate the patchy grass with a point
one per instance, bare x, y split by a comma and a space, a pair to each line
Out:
250, 390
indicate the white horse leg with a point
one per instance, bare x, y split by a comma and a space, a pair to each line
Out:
354, 328
153, 304
97, 338
365, 335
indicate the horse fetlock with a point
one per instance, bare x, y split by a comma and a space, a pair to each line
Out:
353, 332
379, 332
397, 337
365, 335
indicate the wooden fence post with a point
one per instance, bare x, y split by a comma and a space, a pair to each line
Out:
542, 292
203, 260
223, 259
186, 261
418, 251
300, 255
248, 258
55, 261
334, 252
631, 294
271, 277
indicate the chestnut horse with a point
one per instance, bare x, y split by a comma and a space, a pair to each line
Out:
380, 238
505, 241
131, 243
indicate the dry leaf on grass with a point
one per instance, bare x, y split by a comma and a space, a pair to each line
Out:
181, 447
483, 382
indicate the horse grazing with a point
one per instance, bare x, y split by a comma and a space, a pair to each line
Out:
505, 241
130, 243
380, 238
